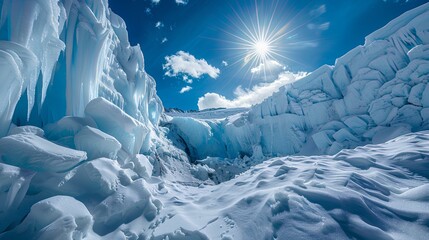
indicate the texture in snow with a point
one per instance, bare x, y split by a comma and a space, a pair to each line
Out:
82, 154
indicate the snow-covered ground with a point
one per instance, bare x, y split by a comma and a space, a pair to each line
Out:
87, 153
372, 192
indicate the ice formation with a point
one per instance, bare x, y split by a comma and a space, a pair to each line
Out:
84, 154
57, 56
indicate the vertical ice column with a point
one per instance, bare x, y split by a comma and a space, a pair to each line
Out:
87, 45
11, 82
34, 25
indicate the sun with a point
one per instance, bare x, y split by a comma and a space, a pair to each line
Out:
263, 33
258, 36
261, 48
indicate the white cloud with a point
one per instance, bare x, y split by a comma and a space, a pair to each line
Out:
185, 89
268, 71
316, 13
164, 40
155, 1
225, 63
159, 25
248, 97
324, 26
321, 27
183, 63
187, 80
267, 67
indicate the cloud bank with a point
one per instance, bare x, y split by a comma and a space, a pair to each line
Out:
248, 97
183, 63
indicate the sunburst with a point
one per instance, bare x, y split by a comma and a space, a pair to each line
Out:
261, 34
258, 36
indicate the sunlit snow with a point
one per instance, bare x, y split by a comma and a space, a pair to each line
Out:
88, 152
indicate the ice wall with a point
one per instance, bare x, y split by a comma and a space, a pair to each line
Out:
373, 93
58, 55
77, 108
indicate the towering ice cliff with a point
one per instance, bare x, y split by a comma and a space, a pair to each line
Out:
77, 108
373, 93
58, 55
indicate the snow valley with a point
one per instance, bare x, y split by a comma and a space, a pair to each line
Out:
88, 152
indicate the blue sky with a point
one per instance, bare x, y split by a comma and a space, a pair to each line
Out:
210, 53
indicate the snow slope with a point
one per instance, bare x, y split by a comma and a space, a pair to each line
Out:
373, 93
82, 154
372, 192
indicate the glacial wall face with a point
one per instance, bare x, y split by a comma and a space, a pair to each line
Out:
373, 93
77, 108
58, 55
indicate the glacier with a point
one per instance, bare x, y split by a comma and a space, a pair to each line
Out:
373, 93
87, 151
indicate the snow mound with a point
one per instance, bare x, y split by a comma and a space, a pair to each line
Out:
66, 127
132, 134
34, 153
96, 143
27, 129
98, 178
126, 204
58, 217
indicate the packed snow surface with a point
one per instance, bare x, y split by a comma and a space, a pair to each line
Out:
32, 152
371, 192
86, 151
